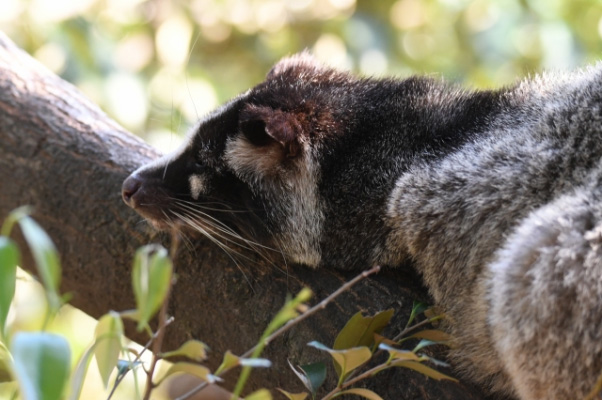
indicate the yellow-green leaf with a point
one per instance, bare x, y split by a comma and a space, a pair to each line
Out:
294, 396
230, 361
365, 393
151, 279
188, 368
360, 330
5, 362
397, 354
348, 359
78, 376
378, 339
261, 394
433, 335
193, 349
108, 334
9, 259
423, 369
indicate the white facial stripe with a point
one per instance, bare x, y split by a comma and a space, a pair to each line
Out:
197, 186
248, 159
296, 190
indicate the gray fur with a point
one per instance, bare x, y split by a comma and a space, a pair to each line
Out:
494, 196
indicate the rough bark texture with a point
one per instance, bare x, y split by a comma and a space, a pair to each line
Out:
66, 158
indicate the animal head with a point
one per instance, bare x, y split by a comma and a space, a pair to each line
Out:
248, 174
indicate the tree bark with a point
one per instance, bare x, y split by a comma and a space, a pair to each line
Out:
62, 155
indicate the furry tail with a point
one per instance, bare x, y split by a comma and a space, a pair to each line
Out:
545, 294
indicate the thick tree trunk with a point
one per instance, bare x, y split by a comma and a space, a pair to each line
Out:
60, 154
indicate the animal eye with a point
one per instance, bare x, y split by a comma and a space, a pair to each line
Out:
196, 165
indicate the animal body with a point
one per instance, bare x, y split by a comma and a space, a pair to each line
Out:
495, 196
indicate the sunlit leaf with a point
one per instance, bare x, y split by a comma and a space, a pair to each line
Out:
255, 362
199, 371
289, 311
433, 335
360, 330
423, 369
380, 339
348, 359
41, 364
311, 375
293, 396
9, 259
193, 349
108, 334
397, 354
151, 279
230, 361
5, 362
365, 393
79, 374
261, 394
46, 258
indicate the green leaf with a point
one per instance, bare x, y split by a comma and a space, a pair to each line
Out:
360, 330
288, 311
46, 258
9, 259
422, 344
311, 375
348, 359
365, 393
417, 309
151, 279
108, 334
293, 396
423, 369
230, 361
261, 394
41, 364
192, 349
197, 370
433, 335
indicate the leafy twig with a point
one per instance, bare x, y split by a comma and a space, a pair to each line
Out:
321, 305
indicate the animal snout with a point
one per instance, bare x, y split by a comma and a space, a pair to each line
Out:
130, 187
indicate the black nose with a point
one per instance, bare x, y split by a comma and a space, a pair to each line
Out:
129, 188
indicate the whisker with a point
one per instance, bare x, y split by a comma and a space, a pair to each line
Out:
228, 250
226, 233
226, 228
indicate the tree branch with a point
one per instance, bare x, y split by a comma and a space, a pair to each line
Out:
66, 158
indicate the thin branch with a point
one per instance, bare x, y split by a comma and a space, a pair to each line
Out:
157, 343
415, 326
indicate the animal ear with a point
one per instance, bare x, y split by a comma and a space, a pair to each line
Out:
298, 64
263, 126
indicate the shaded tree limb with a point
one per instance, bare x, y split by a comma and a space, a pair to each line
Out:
66, 158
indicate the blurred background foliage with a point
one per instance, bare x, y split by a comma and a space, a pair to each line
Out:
158, 65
